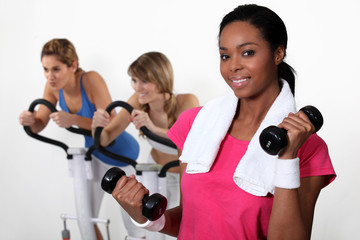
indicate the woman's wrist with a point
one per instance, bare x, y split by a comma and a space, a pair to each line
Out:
74, 119
160, 131
154, 226
287, 154
287, 174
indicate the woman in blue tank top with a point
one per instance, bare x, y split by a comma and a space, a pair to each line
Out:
79, 94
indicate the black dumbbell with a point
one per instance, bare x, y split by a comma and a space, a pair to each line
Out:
273, 139
153, 206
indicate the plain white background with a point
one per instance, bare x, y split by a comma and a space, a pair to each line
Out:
108, 35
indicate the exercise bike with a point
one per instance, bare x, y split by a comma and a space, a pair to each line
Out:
152, 176
80, 169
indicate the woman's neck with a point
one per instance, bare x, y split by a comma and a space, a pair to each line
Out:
256, 107
250, 113
73, 85
158, 105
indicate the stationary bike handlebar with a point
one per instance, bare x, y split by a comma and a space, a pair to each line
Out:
145, 130
98, 131
48, 140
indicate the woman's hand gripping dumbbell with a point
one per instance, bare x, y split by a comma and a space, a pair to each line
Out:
273, 139
152, 206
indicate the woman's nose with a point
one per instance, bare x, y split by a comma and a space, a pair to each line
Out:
138, 86
235, 64
49, 75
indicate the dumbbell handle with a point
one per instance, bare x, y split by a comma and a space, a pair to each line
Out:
153, 206
273, 139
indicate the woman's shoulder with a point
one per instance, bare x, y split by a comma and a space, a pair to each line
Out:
95, 88
90, 77
186, 97
186, 101
91, 80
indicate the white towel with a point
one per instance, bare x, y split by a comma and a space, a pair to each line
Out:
256, 170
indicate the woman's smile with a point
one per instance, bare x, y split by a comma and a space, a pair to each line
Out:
238, 82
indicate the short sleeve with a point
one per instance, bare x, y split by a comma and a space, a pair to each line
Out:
315, 159
180, 129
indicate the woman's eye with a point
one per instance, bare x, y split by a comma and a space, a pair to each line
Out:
224, 57
249, 53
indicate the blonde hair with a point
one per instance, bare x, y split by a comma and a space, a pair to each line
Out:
155, 67
63, 49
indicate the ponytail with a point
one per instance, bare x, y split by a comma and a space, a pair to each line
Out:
286, 72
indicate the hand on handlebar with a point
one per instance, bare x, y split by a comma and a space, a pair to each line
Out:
141, 119
101, 118
62, 119
34, 134
27, 118
150, 133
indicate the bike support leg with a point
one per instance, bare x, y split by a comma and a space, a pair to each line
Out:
149, 178
82, 198
65, 217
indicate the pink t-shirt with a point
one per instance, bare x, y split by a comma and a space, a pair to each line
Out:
214, 207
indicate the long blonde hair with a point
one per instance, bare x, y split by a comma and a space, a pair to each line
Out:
155, 67
63, 49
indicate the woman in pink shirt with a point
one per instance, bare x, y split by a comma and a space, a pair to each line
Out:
252, 46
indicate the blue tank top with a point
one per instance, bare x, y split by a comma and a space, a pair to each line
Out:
125, 144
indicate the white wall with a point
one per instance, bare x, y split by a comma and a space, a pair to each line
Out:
109, 35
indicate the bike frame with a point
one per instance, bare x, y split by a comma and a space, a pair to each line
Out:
153, 176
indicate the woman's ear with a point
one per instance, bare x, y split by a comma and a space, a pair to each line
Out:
74, 66
279, 54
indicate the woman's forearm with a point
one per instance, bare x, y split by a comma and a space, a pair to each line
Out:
81, 122
172, 223
117, 125
38, 126
286, 221
162, 132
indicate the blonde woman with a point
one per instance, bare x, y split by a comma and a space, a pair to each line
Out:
155, 106
79, 94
